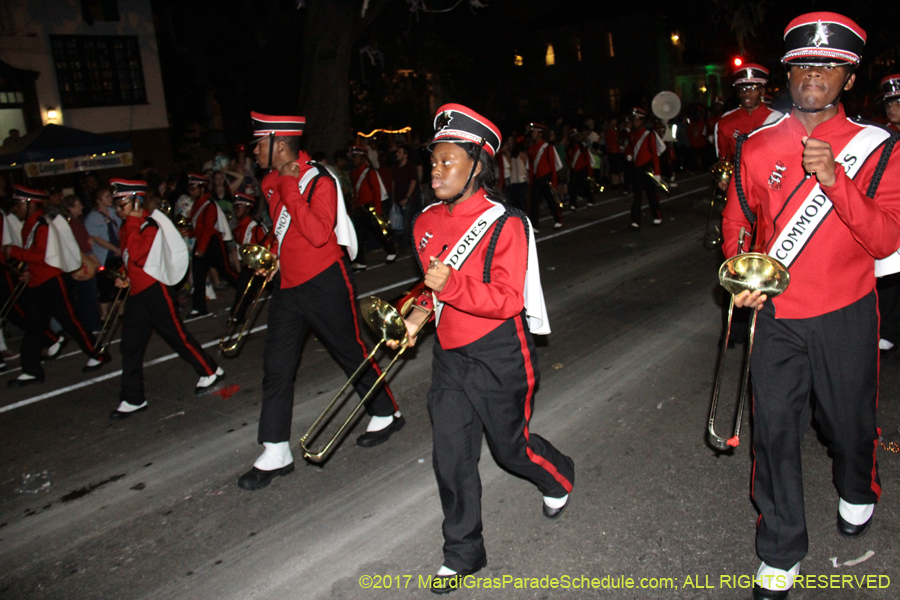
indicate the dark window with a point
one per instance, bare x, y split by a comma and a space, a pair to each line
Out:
98, 70
100, 10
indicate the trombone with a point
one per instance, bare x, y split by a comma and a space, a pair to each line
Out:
387, 321
750, 271
658, 182
721, 172
18, 270
255, 258
104, 336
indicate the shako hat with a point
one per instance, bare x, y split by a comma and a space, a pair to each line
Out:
751, 74
197, 179
25, 194
280, 126
890, 86
637, 111
460, 124
538, 125
359, 150
246, 199
124, 188
823, 38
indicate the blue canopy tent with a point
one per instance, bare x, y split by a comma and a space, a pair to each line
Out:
56, 149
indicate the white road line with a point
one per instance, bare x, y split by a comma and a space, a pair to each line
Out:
374, 292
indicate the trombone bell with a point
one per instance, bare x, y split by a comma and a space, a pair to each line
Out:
751, 272
386, 321
254, 258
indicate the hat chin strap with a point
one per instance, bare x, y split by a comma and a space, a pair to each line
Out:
468, 181
831, 105
271, 147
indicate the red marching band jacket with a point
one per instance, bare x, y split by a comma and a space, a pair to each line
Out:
34, 254
734, 123
542, 158
368, 185
248, 231
136, 236
204, 225
579, 158
642, 148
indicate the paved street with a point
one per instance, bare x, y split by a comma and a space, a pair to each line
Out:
148, 508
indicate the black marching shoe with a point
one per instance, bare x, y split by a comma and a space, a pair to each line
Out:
118, 415
93, 364
761, 593
374, 438
257, 479
554, 513
17, 383
849, 530
444, 584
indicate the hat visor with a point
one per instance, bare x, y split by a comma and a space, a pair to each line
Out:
453, 140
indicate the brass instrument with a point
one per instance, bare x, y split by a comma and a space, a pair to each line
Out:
18, 270
381, 224
182, 222
386, 321
658, 182
255, 258
721, 172
752, 272
596, 188
116, 309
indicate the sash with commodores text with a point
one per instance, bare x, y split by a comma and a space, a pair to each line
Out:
816, 207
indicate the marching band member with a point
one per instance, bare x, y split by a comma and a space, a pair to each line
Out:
642, 151
247, 231
890, 86
750, 81
315, 291
480, 263
210, 232
544, 163
889, 283
155, 258
49, 251
579, 158
369, 191
806, 182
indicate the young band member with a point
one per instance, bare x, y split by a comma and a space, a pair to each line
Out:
642, 151
314, 291
49, 251
890, 87
544, 163
210, 232
579, 158
750, 81
369, 191
155, 257
806, 182
480, 265
247, 231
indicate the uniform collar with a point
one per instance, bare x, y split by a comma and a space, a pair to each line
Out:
475, 204
821, 130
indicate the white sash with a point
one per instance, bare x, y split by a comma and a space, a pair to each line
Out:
533, 294
248, 233
62, 248
221, 220
638, 145
537, 159
343, 228
557, 161
12, 231
805, 221
575, 158
168, 258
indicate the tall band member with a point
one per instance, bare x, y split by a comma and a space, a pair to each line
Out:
155, 257
480, 263
544, 163
889, 282
579, 158
642, 151
49, 251
315, 292
806, 181
247, 231
369, 191
750, 81
210, 231
11, 227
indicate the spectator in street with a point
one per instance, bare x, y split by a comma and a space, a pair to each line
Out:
406, 192
85, 290
102, 224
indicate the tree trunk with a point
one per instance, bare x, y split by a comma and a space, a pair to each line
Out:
330, 34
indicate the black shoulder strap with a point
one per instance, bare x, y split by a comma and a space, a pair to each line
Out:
882, 164
148, 222
415, 249
739, 186
498, 226
323, 172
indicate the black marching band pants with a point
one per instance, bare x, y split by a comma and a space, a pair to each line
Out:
640, 185
486, 388
542, 190
834, 357
216, 255
16, 314
364, 223
155, 308
326, 304
49, 300
579, 186
239, 313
